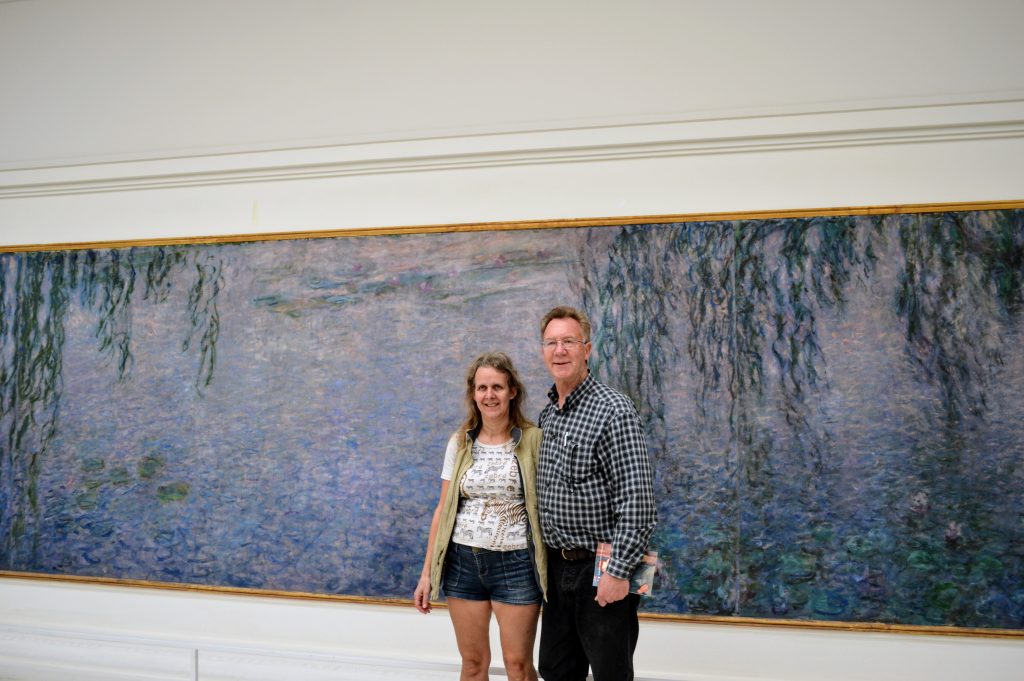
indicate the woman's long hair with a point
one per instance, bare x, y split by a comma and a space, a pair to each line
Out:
500, 362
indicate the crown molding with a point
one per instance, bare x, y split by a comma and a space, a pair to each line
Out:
780, 133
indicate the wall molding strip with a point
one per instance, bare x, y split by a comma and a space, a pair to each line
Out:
798, 132
55, 653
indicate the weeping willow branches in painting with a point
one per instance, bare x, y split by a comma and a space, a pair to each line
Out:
743, 302
962, 277
37, 293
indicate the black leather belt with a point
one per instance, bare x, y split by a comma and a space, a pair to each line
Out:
574, 554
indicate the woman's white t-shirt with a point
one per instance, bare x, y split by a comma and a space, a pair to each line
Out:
492, 512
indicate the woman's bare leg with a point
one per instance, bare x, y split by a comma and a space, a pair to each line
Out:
472, 621
517, 625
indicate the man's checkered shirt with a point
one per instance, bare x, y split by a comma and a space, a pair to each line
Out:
594, 479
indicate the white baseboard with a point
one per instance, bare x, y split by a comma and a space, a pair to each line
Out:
34, 655
222, 665
44, 654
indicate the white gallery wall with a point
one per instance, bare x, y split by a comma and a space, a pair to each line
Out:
143, 119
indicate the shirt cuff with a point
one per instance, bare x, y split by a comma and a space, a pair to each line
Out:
617, 568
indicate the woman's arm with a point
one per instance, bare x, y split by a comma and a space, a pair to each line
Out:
421, 599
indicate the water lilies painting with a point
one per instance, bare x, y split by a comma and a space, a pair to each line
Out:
834, 405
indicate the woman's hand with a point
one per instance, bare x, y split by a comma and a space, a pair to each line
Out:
421, 598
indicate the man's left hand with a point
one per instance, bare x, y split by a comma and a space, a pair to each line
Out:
611, 589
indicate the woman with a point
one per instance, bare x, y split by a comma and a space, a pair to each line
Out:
484, 544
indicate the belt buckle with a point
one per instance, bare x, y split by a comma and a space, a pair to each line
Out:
564, 556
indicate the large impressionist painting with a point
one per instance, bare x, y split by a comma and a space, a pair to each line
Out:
834, 405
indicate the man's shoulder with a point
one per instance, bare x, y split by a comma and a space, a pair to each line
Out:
610, 398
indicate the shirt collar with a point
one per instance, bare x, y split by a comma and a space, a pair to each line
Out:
575, 396
517, 434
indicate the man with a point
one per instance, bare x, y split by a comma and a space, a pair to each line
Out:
594, 484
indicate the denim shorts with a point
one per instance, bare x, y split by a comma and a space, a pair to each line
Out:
481, 575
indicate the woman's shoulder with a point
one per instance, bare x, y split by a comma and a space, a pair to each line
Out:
456, 441
531, 434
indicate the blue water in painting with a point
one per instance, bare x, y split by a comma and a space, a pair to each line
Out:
310, 460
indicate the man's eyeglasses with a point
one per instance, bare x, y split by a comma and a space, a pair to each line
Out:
567, 343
